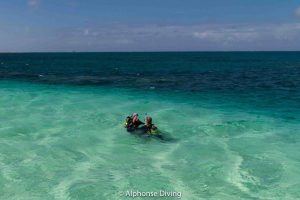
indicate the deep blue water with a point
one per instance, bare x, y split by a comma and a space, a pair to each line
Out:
188, 71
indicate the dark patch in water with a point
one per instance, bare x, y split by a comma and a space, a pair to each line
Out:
174, 71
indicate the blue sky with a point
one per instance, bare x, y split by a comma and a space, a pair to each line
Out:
156, 25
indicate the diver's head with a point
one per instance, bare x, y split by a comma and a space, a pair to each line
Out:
135, 117
148, 120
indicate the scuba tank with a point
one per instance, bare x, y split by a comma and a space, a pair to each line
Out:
127, 122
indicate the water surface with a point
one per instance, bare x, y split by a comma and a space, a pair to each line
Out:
231, 123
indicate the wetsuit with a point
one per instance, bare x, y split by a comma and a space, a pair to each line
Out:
150, 127
137, 123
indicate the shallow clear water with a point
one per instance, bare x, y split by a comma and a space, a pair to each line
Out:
63, 140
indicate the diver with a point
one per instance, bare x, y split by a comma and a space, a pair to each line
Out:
149, 127
128, 122
135, 120
132, 122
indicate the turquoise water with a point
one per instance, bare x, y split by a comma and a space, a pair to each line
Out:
62, 136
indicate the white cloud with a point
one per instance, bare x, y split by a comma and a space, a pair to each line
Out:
27, 29
297, 12
227, 35
86, 32
213, 33
247, 34
286, 32
153, 37
32, 3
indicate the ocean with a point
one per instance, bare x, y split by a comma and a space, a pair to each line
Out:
230, 121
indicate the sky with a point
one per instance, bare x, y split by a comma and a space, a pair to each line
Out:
149, 25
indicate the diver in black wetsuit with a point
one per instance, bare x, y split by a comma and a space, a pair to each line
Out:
128, 122
149, 127
132, 122
135, 120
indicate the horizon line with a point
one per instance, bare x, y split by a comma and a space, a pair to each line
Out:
169, 51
